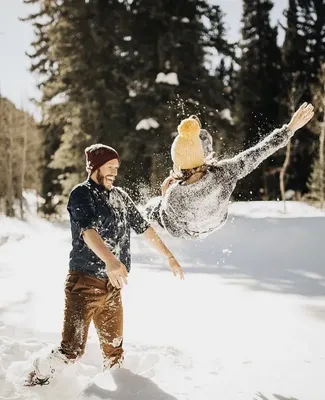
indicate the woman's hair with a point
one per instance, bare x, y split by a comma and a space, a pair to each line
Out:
185, 174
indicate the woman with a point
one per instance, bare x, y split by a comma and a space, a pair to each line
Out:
195, 197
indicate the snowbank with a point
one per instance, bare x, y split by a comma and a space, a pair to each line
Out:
14, 229
247, 323
274, 209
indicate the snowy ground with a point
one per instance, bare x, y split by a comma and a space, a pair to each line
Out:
248, 322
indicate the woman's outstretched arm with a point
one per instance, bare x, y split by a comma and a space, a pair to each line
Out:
245, 162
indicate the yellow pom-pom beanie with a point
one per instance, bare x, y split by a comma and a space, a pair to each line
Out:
187, 151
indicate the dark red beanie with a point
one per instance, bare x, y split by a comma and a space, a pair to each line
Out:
97, 155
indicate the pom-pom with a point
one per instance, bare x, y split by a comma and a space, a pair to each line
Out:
189, 128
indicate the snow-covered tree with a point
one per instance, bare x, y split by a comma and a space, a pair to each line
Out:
316, 182
259, 83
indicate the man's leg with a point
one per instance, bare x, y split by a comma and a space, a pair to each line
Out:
80, 305
108, 320
79, 308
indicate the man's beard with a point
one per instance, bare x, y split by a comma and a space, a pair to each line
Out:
100, 178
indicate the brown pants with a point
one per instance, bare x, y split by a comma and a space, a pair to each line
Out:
90, 299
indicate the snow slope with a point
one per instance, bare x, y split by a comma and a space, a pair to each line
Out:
274, 209
247, 323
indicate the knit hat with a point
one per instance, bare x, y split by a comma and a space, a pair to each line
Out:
187, 151
97, 155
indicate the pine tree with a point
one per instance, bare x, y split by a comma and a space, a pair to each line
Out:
312, 17
311, 14
294, 59
115, 73
52, 131
228, 76
221, 70
303, 53
294, 50
258, 88
44, 64
316, 183
83, 87
169, 79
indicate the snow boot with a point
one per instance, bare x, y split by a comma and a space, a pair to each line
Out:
44, 368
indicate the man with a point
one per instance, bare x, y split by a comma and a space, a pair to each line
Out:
101, 216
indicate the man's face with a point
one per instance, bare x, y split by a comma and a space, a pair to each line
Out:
107, 173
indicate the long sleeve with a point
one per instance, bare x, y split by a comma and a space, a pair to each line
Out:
245, 162
136, 220
173, 219
171, 224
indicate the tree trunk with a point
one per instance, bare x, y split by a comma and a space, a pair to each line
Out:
2, 152
9, 195
23, 168
321, 163
265, 195
321, 144
283, 173
293, 100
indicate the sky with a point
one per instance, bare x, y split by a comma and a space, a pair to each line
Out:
19, 85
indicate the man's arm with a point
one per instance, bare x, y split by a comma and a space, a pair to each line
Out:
116, 271
155, 241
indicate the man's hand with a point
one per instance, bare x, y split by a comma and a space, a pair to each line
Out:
117, 273
301, 117
165, 185
175, 267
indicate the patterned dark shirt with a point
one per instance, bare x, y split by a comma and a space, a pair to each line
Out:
112, 213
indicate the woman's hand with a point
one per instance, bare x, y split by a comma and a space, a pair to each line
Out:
165, 185
301, 117
175, 267
154, 240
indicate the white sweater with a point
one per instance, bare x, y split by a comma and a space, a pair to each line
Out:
200, 208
